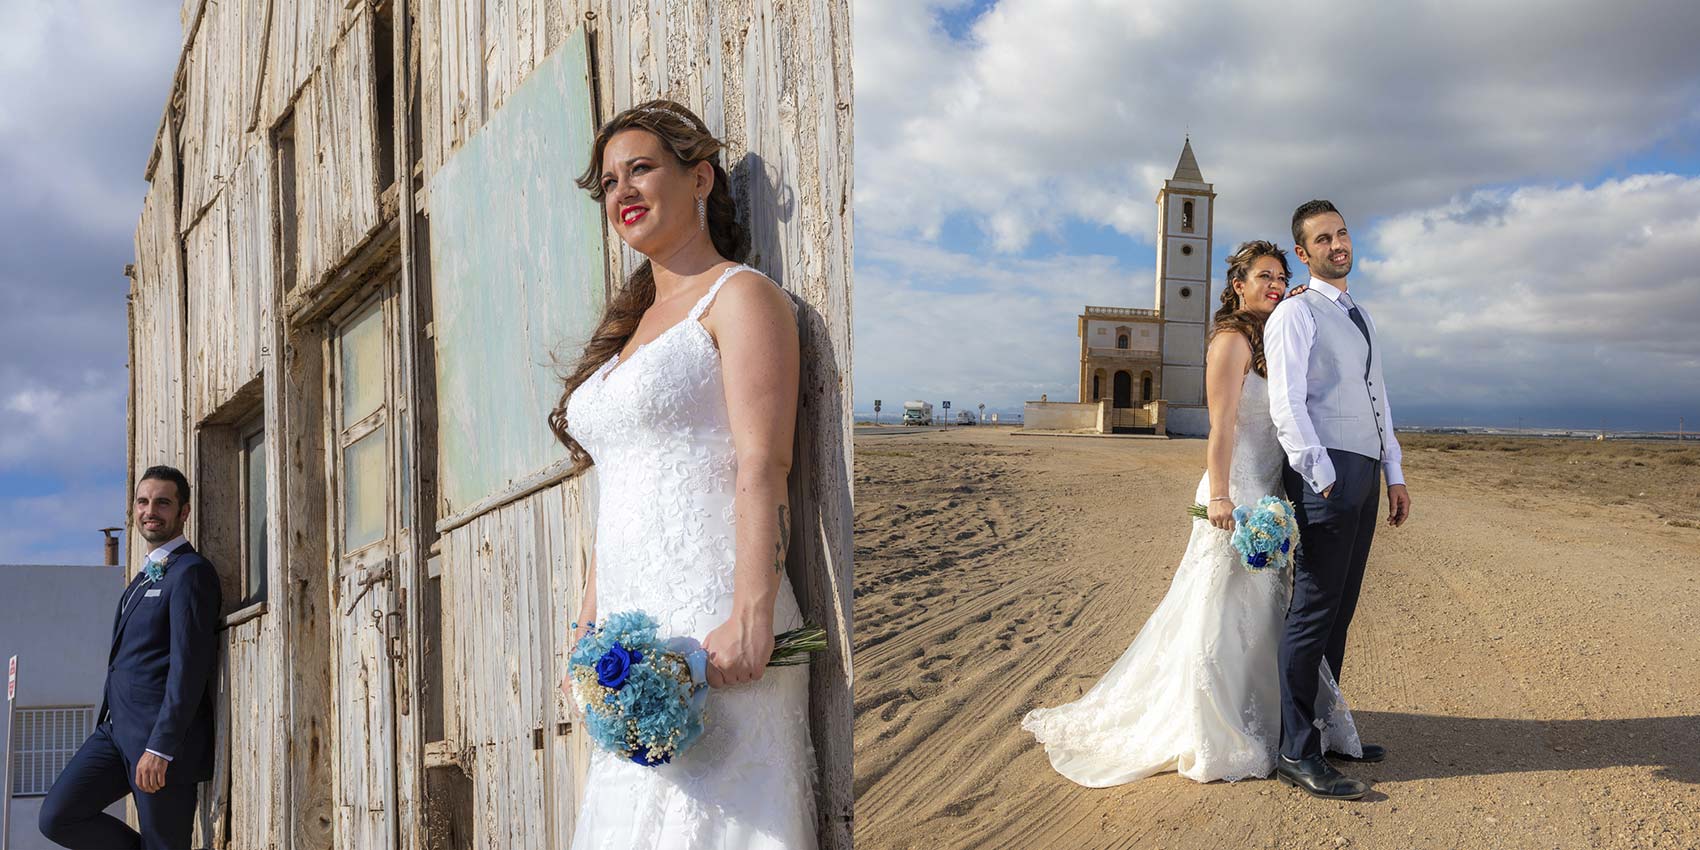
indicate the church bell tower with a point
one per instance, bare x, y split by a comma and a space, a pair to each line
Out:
1184, 222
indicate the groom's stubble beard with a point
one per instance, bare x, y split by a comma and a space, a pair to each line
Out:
1320, 267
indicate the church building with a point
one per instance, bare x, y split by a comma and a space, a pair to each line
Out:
1142, 371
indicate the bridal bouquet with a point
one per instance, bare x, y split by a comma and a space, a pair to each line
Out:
1264, 534
643, 696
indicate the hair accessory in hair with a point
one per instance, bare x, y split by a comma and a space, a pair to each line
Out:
673, 112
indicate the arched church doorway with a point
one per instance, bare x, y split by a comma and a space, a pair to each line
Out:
1124, 389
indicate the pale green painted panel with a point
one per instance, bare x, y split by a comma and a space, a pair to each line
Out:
517, 269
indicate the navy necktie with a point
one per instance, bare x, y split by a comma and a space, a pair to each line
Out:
1358, 319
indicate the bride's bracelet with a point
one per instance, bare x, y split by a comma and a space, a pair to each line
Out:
1221, 498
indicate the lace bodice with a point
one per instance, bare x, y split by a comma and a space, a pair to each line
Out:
1255, 470
657, 426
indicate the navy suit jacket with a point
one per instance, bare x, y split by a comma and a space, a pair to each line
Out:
160, 675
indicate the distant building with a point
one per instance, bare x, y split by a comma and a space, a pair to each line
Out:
58, 621
1143, 370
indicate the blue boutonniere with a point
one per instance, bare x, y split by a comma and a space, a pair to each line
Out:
155, 570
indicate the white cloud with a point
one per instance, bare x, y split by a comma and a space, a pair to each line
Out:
85, 84
1543, 293
73, 428
1061, 110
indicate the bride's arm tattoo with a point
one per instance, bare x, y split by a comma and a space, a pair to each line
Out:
784, 539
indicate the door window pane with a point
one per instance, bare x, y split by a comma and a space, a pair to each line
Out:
365, 479
362, 367
254, 463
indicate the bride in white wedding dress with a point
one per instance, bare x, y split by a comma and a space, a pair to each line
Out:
1197, 691
686, 400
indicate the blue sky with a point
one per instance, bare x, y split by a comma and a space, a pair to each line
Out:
1008, 154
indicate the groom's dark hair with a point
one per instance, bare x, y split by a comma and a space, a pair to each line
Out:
168, 473
1307, 211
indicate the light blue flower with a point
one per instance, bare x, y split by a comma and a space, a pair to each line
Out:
655, 709
155, 570
1263, 534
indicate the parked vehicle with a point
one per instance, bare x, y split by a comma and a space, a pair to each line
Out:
917, 413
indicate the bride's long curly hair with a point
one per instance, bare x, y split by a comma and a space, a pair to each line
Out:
1233, 315
688, 138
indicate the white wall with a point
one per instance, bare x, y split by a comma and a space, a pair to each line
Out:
1189, 422
1183, 344
1059, 416
1192, 266
1142, 336
58, 621
1182, 385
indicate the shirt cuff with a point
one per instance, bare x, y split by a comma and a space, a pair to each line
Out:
1395, 474
160, 754
1322, 473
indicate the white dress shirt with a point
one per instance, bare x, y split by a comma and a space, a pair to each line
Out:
158, 554
1292, 332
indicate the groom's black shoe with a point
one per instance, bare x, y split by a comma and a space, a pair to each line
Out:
1316, 777
1372, 753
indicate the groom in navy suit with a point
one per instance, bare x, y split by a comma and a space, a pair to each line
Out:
153, 737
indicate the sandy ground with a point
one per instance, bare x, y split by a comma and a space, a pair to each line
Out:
1527, 647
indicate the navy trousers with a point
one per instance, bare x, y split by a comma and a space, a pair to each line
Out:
73, 814
1328, 572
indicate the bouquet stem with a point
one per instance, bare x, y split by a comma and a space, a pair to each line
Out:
793, 647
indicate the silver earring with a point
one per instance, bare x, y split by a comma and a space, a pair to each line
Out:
702, 214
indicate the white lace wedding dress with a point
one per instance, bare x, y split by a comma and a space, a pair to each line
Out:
1197, 691
657, 428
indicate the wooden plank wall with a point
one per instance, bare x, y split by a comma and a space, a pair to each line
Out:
205, 323
336, 172
507, 576
158, 419
255, 723
773, 80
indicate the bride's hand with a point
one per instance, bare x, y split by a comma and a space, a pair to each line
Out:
738, 650
580, 627
1221, 514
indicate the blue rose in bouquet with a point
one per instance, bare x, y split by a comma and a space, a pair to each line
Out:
643, 696
615, 665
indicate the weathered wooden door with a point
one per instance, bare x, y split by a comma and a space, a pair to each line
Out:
365, 614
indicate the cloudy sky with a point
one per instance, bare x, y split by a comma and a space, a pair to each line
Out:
82, 87
1522, 179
